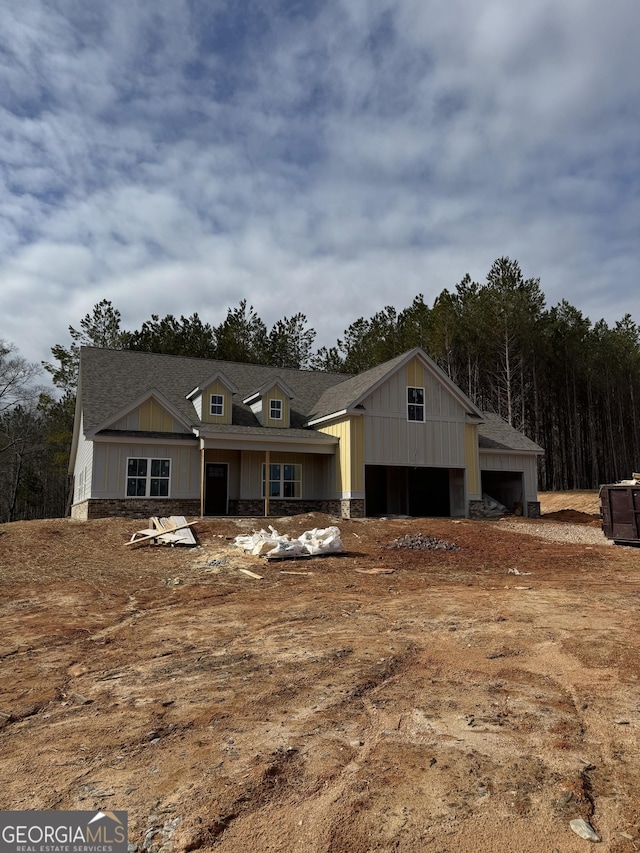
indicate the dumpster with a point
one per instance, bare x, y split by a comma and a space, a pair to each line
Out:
620, 513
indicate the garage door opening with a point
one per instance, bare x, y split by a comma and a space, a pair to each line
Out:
396, 490
507, 487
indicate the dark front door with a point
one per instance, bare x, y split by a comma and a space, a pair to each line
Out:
215, 489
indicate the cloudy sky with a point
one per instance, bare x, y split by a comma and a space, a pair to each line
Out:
327, 157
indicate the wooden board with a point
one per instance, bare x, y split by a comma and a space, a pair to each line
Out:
144, 536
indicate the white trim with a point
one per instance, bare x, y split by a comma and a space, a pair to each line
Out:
148, 477
221, 404
189, 437
331, 417
282, 481
509, 452
215, 377
278, 417
423, 419
129, 407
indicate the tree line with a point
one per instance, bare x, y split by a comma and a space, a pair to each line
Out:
571, 385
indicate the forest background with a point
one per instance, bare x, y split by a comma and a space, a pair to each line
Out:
571, 385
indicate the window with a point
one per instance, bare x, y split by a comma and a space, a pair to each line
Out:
284, 481
148, 478
217, 404
415, 404
275, 410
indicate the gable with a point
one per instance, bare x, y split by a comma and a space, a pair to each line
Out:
215, 404
390, 396
148, 416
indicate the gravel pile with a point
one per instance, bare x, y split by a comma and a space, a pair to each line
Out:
422, 542
580, 534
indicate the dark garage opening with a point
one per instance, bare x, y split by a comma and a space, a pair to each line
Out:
507, 487
395, 490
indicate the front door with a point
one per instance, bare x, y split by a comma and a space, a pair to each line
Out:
215, 488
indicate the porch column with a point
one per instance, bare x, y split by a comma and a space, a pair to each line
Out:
202, 455
267, 457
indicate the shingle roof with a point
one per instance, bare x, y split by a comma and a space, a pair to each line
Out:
496, 434
113, 379
341, 396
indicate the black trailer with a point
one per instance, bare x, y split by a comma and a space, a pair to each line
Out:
620, 513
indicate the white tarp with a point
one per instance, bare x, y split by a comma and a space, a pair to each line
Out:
271, 544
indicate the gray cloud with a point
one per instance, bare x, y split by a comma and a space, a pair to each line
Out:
330, 158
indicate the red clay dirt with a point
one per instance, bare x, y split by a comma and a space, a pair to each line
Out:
452, 705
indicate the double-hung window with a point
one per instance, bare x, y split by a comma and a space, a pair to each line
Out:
415, 404
217, 405
148, 478
275, 410
284, 481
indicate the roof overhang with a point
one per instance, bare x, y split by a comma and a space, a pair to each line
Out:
130, 437
317, 443
502, 450
129, 407
215, 377
276, 382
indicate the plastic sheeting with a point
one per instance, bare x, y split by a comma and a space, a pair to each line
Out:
271, 544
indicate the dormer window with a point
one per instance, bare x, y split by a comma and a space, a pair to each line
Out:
275, 410
415, 404
217, 405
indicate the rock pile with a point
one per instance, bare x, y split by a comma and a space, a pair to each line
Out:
422, 542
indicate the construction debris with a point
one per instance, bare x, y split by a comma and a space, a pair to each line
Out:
274, 546
250, 574
422, 542
175, 530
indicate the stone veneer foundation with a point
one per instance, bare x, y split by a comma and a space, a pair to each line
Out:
146, 507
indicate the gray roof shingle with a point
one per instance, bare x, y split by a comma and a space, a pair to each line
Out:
111, 380
496, 434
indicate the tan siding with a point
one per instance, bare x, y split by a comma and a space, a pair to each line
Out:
357, 455
216, 387
275, 394
341, 430
415, 374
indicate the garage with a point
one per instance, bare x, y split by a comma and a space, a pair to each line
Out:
416, 491
506, 487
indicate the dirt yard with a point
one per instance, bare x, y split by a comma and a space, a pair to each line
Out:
475, 699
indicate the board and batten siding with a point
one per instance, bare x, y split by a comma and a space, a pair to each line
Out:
83, 468
314, 472
232, 459
526, 463
203, 404
391, 439
278, 423
150, 416
473, 461
348, 464
110, 468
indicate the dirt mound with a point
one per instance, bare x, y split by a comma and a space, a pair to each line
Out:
585, 501
472, 699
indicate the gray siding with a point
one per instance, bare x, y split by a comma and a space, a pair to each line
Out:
110, 461
83, 468
527, 463
315, 473
390, 439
